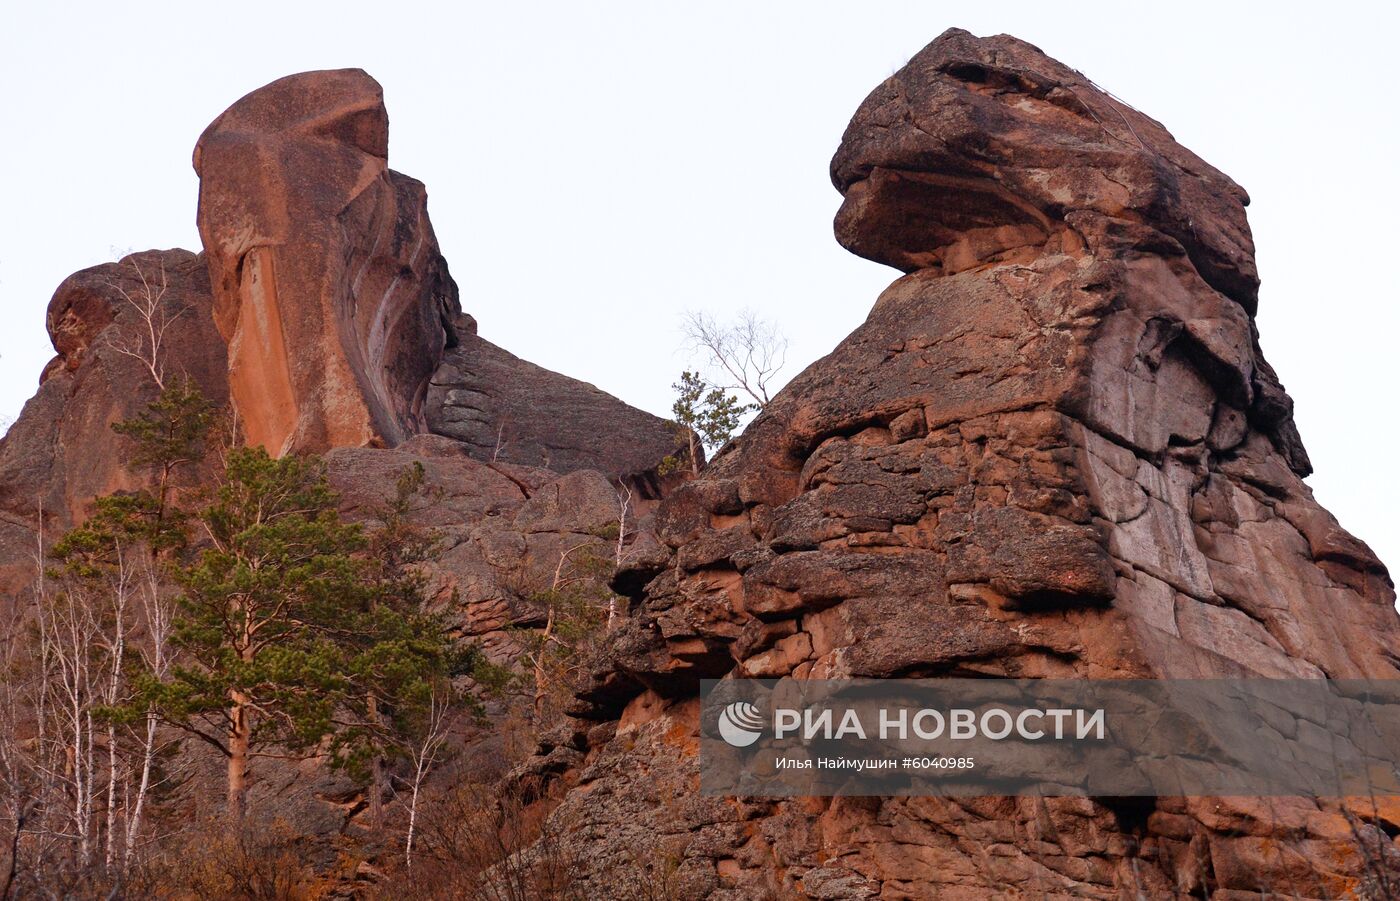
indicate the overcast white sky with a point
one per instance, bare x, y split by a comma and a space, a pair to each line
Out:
597, 168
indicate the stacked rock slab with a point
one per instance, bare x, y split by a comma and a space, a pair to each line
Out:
1054, 449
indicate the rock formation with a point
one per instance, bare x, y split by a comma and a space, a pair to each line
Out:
328, 284
343, 325
322, 310
1054, 449
61, 452
505, 409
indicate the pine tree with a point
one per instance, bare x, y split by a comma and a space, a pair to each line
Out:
294, 639
169, 434
706, 415
293, 632
258, 619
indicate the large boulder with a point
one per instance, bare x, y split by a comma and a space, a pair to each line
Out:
327, 280
1054, 449
977, 146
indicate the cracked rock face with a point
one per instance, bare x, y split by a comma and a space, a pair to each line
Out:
1054, 449
501, 528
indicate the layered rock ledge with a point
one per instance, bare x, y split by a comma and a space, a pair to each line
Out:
1054, 449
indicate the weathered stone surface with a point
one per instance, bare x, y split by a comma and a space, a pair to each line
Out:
1054, 449
503, 528
328, 284
506, 409
61, 451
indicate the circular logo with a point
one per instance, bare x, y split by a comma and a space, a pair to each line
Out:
740, 724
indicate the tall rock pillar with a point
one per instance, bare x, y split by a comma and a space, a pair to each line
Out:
327, 280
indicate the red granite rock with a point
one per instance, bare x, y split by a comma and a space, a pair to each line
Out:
328, 283
1054, 449
61, 451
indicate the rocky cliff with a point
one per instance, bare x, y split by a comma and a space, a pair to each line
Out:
1054, 449
61, 451
323, 313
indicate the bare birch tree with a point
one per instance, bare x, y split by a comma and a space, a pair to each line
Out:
68, 632
147, 342
156, 656
22, 680
423, 756
750, 352
624, 507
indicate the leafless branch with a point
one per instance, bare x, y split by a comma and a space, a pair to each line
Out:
147, 342
751, 352
624, 506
